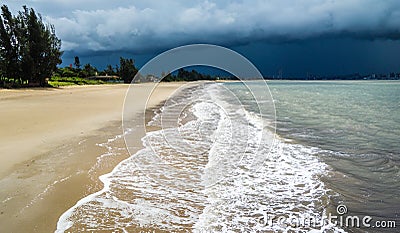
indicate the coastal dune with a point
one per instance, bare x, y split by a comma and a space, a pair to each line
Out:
48, 143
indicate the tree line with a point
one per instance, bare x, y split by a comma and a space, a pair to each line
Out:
29, 49
186, 75
126, 70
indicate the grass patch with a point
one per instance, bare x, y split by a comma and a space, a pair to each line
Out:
70, 81
60, 84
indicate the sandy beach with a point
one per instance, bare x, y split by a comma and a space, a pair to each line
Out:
49, 143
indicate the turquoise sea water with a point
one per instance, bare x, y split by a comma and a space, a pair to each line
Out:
358, 124
356, 127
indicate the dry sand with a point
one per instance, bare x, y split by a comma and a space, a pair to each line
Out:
48, 148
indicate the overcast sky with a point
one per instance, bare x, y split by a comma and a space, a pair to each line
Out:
314, 36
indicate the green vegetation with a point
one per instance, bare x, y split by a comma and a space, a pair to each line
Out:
193, 75
69, 81
128, 70
91, 75
29, 49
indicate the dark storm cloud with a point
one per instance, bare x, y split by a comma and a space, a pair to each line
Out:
145, 26
324, 56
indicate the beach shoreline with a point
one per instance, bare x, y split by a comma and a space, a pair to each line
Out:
52, 142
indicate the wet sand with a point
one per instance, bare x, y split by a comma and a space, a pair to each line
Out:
52, 151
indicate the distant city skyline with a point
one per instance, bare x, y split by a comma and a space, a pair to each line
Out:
279, 37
